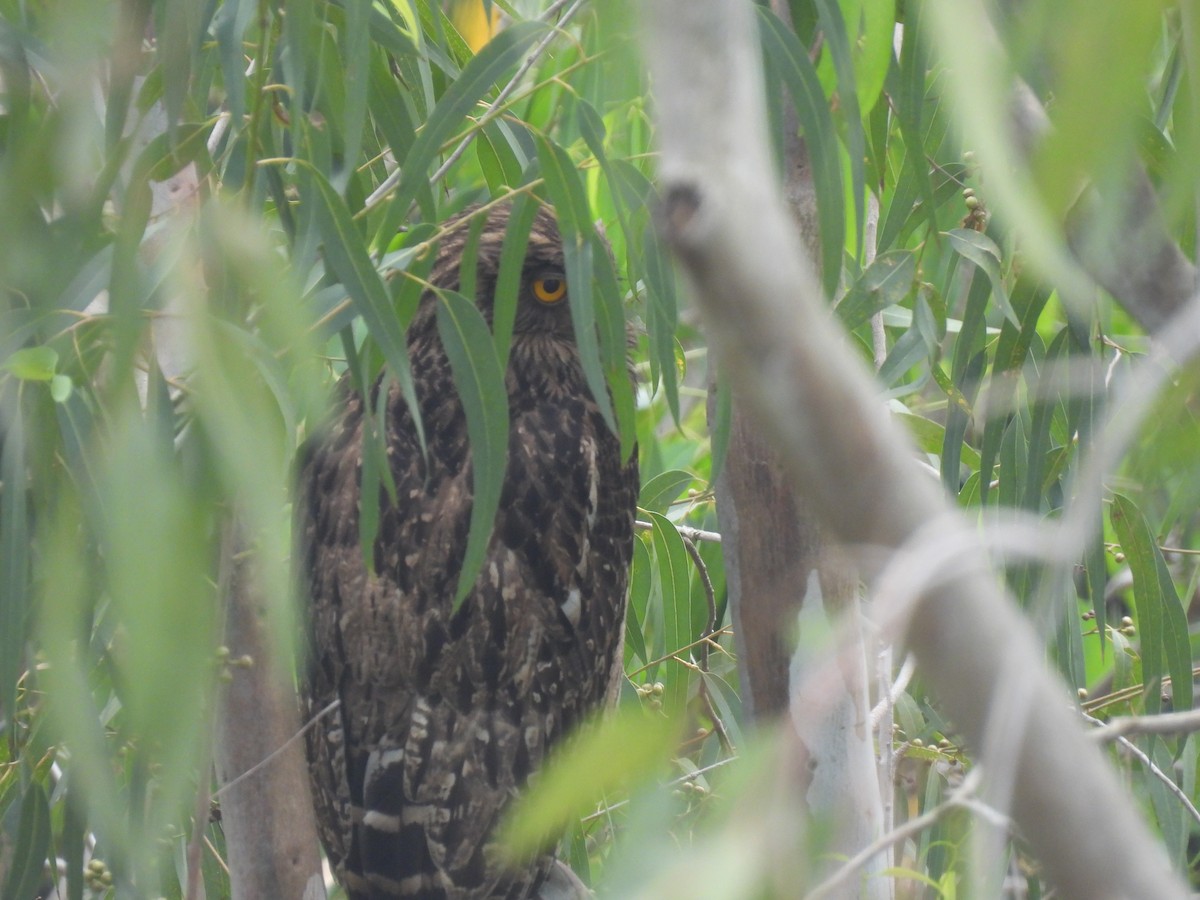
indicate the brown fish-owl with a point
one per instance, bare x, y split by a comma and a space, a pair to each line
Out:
443, 715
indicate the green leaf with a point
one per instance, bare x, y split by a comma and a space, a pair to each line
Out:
663, 489
983, 252
33, 363
501, 168
791, 60
512, 268
640, 587
930, 437
171, 151
833, 27
566, 191
356, 60
886, 282
348, 258
28, 859
674, 569
60, 388
480, 383
612, 756
500, 54
1161, 621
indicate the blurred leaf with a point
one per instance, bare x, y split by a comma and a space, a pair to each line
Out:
33, 363
1161, 621
25, 867
14, 553
480, 383
607, 757
171, 151
930, 436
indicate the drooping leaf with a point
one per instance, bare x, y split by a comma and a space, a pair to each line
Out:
574, 222
663, 489
480, 383
812, 108
33, 363
1161, 621
32, 842
673, 569
983, 252
348, 259
886, 282
500, 55
610, 756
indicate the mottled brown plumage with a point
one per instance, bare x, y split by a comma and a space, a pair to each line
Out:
443, 717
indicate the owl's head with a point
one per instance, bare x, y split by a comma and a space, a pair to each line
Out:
542, 301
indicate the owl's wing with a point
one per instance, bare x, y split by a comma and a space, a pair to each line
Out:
444, 716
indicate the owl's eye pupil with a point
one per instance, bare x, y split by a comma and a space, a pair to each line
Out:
550, 289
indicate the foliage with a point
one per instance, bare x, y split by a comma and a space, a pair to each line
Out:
159, 367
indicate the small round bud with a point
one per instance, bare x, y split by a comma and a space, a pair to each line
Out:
1126, 621
917, 742
972, 202
968, 192
1119, 556
658, 688
968, 156
1082, 693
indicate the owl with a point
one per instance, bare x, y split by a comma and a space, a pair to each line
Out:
444, 714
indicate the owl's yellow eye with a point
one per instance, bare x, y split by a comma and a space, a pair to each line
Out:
550, 289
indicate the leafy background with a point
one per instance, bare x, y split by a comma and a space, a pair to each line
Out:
161, 362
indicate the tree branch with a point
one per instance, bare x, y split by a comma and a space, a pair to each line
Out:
1145, 271
817, 404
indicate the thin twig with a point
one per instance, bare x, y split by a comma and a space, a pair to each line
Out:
690, 534
1164, 723
680, 780
958, 799
393, 179
902, 679
1154, 770
276, 752
674, 654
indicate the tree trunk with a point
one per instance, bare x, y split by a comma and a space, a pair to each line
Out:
266, 807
